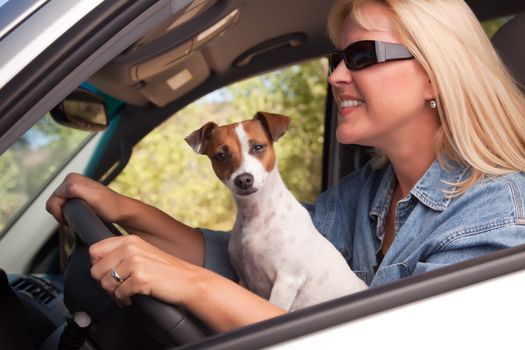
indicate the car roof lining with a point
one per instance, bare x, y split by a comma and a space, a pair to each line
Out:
132, 77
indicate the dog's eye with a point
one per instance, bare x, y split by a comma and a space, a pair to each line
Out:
220, 156
258, 148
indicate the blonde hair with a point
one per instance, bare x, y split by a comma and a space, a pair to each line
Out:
480, 106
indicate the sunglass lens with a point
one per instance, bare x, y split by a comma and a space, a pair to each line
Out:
333, 61
360, 55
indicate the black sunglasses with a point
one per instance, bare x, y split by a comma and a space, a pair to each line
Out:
366, 53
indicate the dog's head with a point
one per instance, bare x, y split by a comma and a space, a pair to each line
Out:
241, 154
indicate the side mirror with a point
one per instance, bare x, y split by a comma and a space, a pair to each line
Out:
82, 110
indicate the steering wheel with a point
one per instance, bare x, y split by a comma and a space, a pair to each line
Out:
167, 324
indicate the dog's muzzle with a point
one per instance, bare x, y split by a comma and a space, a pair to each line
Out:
244, 184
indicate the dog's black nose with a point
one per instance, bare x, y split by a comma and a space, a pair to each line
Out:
244, 181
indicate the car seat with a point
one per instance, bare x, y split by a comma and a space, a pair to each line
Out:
509, 41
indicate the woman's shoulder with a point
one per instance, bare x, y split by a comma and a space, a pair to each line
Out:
511, 180
498, 196
490, 214
510, 185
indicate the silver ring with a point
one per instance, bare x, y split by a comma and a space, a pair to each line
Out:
116, 276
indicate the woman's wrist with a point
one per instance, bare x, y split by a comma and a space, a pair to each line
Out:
222, 304
199, 281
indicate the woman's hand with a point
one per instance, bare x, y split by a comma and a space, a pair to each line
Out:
143, 268
104, 201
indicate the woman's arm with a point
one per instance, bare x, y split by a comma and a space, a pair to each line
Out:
134, 216
217, 301
225, 305
163, 231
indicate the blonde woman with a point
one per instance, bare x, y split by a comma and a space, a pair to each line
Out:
449, 124
419, 81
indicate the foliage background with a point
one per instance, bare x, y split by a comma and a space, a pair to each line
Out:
166, 173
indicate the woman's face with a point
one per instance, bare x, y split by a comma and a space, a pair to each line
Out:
394, 94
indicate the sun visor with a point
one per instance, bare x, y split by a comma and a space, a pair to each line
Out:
167, 62
161, 63
174, 82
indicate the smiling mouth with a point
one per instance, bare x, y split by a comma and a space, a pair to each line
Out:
350, 103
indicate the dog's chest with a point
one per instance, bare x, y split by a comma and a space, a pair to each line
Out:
258, 242
268, 238
258, 249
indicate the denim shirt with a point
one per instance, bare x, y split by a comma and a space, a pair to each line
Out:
432, 229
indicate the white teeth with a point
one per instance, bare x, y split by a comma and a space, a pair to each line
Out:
350, 103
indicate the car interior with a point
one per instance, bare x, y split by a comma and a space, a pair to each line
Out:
175, 57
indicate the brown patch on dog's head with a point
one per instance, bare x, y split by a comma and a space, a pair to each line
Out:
275, 124
224, 151
220, 144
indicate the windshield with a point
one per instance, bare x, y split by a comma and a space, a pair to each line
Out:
31, 162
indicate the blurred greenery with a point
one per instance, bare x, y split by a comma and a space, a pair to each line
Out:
492, 26
29, 163
166, 173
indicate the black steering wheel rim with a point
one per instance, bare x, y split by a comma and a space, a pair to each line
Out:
172, 321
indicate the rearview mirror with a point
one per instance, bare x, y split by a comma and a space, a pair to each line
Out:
82, 110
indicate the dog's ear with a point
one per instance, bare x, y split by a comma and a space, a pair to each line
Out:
198, 140
275, 124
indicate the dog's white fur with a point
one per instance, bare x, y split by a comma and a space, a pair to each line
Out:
275, 248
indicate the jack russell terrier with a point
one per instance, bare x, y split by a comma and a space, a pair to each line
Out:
274, 247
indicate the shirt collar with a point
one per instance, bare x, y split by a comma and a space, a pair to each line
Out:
434, 187
384, 191
431, 189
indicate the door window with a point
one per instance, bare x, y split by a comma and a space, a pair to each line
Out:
182, 183
31, 162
